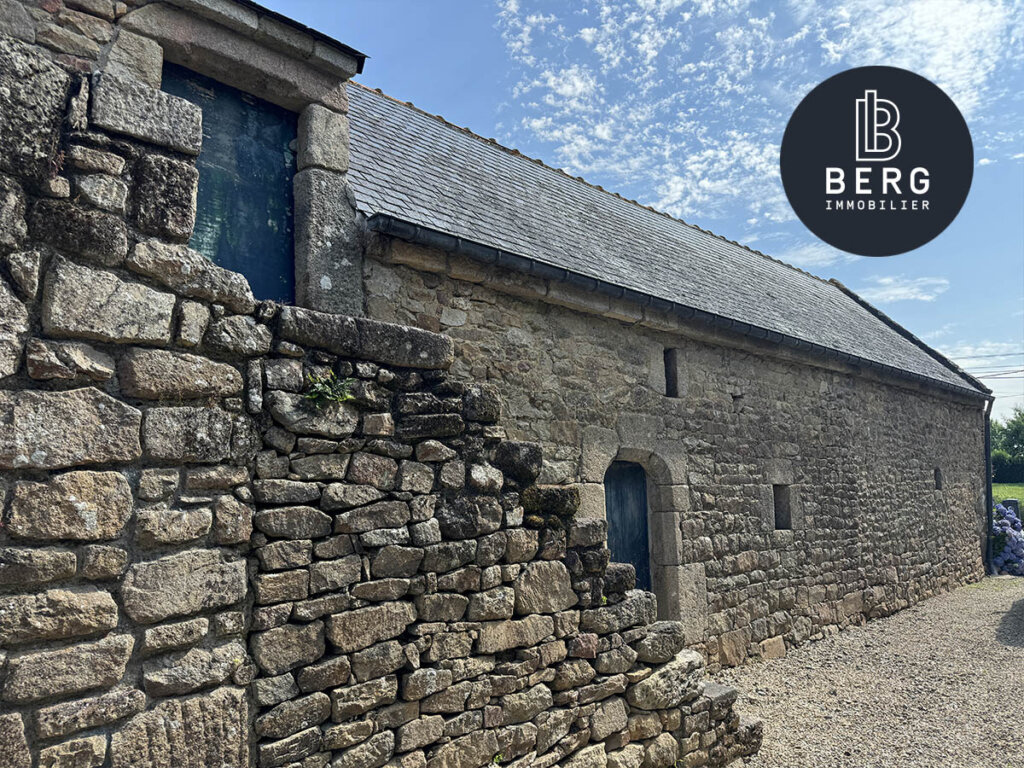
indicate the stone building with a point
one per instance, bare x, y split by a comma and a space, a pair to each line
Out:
786, 431
331, 433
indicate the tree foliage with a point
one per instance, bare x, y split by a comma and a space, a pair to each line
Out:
1008, 448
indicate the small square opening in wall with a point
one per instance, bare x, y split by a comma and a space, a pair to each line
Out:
938, 479
782, 501
671, 372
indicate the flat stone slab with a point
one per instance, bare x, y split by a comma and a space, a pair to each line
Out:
53, 430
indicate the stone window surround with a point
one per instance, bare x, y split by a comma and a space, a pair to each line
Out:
328, 276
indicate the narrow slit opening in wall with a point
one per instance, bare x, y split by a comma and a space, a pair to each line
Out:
938, 479
781, 500
671, 372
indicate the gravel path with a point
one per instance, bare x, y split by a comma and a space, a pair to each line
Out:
940, 685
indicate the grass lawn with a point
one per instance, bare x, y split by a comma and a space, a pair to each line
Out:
1002, 491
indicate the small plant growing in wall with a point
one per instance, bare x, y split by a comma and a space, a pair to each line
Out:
326, 388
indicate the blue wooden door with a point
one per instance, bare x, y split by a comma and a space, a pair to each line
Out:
244, 208
625, 498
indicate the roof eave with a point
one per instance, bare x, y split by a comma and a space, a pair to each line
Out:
420, 235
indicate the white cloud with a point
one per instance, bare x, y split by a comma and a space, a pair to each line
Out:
682, 103
940, 332
890, 288
986, 161
958, 44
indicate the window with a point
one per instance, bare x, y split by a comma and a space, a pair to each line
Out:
625, 499
938, 479
244, 209
672, 362
782, 501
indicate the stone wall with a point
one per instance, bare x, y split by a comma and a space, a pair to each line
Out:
202, 566
584, 376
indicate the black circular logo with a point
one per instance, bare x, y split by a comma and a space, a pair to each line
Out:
877, 161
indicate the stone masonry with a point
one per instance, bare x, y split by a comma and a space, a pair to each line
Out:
584, 376
203, 564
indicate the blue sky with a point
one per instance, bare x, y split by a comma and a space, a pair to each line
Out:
681, 104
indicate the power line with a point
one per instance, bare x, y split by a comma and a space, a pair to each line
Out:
975, 357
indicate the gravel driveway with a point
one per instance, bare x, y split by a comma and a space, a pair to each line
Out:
940, 685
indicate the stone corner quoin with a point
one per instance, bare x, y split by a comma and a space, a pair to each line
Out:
199, 563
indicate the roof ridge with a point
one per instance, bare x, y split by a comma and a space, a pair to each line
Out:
516, 153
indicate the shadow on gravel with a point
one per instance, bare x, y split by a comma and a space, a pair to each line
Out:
1011, 627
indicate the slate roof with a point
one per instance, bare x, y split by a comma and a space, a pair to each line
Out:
417, 168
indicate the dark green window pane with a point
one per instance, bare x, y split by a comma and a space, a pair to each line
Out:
244, 212
625, 499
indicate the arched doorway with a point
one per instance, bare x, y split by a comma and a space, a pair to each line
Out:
625, 497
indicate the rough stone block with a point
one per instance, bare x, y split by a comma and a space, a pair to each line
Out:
543, 587
26, 567
171, 637
328, 244
232, 521
237, 336
198, 668
331, 575
67, 671
128, 106
189, 273
664, 639
293, 522
187, 434
333, 332
70, 717
25, 268
293, 716
56, 614
284, 648
372, 753
297, 414
329, 673
182, 584
88, 304
160, 526
13, 329
165, 197
82, 506
156, 374
504, 635
362, 697
217, 725
89, 752
67, 360
13, 228
35, 91
53, 430
323, 139
637, 609
358, 629
93, 235
135, 56
101, 563
14, 752
102, 191
677, 682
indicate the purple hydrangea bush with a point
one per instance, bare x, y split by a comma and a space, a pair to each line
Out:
1007, 542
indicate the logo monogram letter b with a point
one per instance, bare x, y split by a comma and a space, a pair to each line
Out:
877, 137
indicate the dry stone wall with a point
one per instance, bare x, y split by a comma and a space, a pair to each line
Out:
202, 566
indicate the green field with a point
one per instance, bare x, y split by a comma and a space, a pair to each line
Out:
1002, 491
